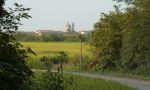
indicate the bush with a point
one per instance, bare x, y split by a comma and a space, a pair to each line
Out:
50, 79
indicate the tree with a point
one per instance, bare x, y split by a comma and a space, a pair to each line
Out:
13, 68
107, 40
122, 39
55, 80
136, 42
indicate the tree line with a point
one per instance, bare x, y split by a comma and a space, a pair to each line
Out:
51, 37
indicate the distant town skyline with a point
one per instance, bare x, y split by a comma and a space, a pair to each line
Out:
54, 14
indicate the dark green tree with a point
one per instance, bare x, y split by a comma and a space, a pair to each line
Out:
107, 40
13, 68
55, 80
136, 42
121, 39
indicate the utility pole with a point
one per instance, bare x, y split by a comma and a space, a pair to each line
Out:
81, 33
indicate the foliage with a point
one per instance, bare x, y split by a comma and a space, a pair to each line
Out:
136, 43
13, 68
107, 40
55, 80
58, 60
121, 39
49, 79
50, 37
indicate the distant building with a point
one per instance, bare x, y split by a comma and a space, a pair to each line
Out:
40, 32
69, 27
26, 32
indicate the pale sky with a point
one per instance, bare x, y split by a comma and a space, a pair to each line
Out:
54, 14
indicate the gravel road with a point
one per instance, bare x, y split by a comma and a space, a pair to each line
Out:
139, 84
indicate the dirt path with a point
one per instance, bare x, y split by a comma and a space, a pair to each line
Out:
139, 84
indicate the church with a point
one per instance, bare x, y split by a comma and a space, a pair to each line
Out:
69, 27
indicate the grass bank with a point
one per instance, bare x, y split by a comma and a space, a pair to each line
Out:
84, 83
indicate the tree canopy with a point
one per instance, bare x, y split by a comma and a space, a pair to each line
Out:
13, 56
121, 39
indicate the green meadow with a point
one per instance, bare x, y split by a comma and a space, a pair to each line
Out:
51, 49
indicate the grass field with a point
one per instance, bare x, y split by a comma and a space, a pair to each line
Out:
73, 50
51, 49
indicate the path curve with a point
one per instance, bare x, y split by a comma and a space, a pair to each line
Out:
139, 84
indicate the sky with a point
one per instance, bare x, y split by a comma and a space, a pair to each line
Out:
54, 14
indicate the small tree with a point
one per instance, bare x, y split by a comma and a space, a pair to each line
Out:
106, 40
55, 80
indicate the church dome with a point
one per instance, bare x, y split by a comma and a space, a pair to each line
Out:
67, 27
